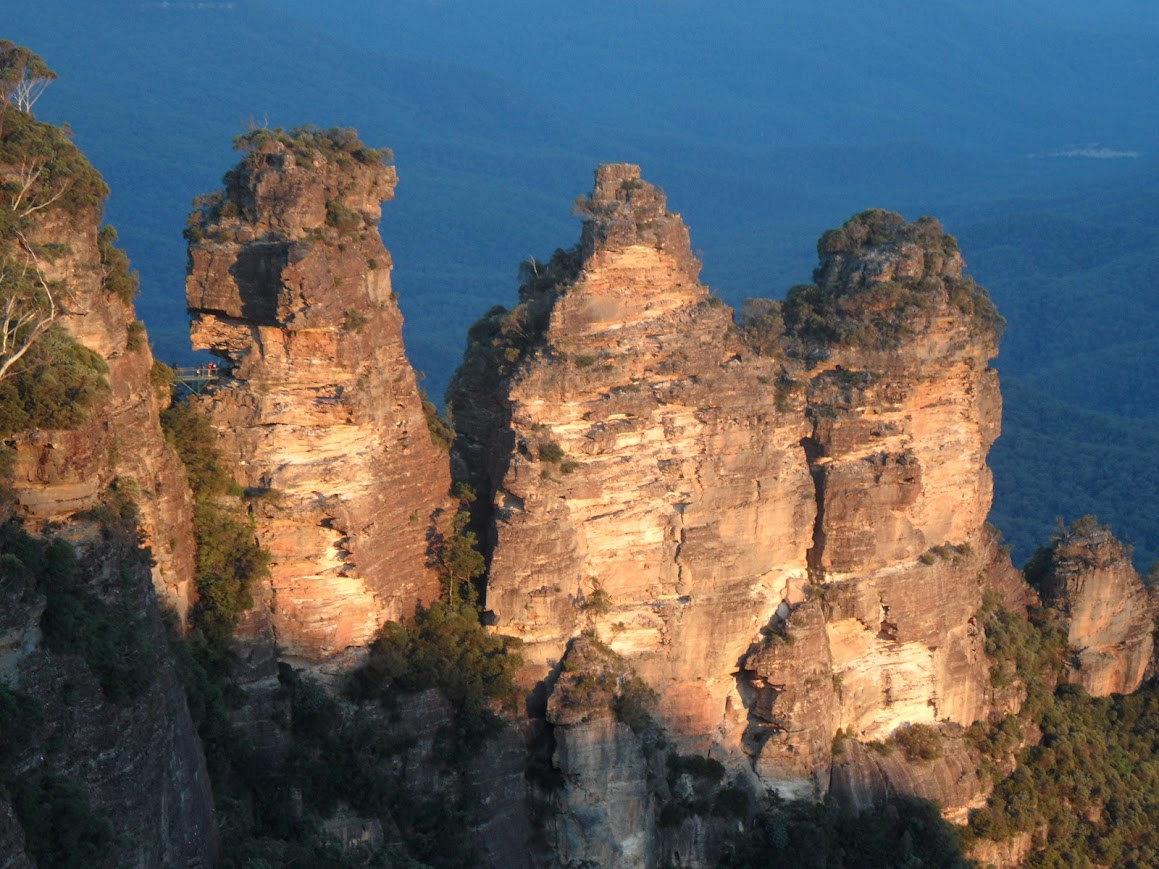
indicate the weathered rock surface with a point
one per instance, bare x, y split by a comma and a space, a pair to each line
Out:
625, 800
136, 757
318, 408
863, 778
59, 473
1107, 609
635, 489
655, 479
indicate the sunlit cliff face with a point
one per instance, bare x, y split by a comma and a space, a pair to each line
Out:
657, 481
289, 283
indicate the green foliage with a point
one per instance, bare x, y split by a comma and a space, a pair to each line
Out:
344, 218
761, 325
633, 702
339, 144
905, 832
53, 386
194, 438
135, 337
442, 434
502, 337
1092, 781
109, 636
599, 602
66, 184
20, 720
117, 279
444, 647
550, 451
60, 827
459, 559
918, 741
1028, 648
880, 315
594, 677
353, 321
953, 553
162, 378
229, 559
1059, 459
23, 76
701, 792
996, 744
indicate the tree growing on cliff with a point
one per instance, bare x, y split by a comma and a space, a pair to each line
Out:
40, 171
23, 77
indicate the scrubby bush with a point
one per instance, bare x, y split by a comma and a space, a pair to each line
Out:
117, 278
109, 636
442, 434
444, 646
761, 325
550, 451
229, 559
53, 386
918, 741
336, 143
60, 827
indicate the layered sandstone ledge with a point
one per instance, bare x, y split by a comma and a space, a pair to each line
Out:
318, 409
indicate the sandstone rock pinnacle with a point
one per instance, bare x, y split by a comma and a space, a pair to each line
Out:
777, 521
289, 285
1087, 576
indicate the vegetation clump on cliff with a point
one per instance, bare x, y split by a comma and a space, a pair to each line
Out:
879, 282
217, 214
445, 647
229, 559
336, 143
48, 380
594, 679
502, 337
1089, 791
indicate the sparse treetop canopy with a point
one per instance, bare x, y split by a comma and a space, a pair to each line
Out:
23, 75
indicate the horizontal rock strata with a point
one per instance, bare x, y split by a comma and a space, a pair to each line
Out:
779, 522
318, 407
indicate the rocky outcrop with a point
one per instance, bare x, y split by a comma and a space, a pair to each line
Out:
778, 522
58, 473
114, 722
864, 777
318, 407
635, 491
83, 647
623, 798
1087, 576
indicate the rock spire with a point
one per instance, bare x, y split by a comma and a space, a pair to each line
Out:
318, 406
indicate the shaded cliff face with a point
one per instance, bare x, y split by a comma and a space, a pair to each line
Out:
1109, 614
289, 284
783, 542
83, 645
